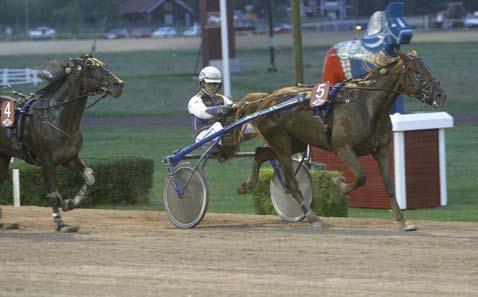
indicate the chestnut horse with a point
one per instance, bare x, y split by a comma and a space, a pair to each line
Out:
358, 125
50, 134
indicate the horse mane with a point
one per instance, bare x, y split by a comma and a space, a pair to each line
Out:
54, 75
371, 77
253, 102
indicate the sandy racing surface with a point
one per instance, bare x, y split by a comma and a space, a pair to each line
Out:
139, 253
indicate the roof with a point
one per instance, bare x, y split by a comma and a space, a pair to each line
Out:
148, 6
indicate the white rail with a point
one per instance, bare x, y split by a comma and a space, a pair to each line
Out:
19, 76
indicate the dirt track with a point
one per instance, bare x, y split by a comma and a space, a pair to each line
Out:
139, 253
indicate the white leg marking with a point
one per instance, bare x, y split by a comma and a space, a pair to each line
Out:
81, 195
88, 176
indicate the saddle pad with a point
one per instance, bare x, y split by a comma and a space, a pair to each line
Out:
320, 94
8, 112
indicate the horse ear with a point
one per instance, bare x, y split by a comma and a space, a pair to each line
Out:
76, 61
412, 54
403, 56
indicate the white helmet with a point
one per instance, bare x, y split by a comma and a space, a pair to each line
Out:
210, 74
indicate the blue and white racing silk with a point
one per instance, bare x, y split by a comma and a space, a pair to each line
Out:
205, 113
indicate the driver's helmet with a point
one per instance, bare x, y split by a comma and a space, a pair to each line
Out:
210, 80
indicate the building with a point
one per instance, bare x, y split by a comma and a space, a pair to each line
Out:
158, 12
334, 9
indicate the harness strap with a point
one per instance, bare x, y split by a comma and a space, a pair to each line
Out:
59, 129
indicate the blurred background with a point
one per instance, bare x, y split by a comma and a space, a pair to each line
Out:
60, 19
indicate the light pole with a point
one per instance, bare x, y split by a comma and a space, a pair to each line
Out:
297, 36
272, 67
225, 48
27, 16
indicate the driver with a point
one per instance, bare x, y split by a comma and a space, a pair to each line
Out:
207, 107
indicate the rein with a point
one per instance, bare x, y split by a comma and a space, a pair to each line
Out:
102, 91
402, 73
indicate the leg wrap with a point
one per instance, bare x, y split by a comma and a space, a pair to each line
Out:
88, 176
81, 195
55, 201
57, 221
304, 207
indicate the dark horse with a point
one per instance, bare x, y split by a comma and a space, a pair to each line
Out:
51, 133
359, 125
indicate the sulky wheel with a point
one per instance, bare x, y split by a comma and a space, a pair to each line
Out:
284, 204
187, 210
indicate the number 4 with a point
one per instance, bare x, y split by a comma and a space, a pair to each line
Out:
7, 111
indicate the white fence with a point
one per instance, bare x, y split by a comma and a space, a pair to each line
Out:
419, 22
19, 76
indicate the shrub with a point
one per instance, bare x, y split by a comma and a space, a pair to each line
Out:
261, 196
328, 199
118, 180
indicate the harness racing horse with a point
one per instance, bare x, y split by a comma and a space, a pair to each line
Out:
358, 125
51, 133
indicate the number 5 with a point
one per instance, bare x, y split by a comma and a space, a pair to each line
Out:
320, 92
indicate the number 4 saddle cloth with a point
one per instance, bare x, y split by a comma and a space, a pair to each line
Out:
13, 116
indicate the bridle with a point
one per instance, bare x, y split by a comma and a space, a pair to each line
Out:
420, 93
104, 90
424, 87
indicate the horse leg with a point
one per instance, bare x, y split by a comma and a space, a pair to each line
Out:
282, 145
349, 158
287, 169
54, 197
262, 154
77, 165
4, 164
383, 159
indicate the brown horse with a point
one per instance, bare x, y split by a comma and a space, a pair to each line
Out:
51, 133
359, 125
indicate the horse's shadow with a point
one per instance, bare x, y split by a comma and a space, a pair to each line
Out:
40, 236
308, 229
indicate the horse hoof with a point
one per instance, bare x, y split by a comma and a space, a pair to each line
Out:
312, 217
67, 205
409, 226
242, 189
11, 226
319, 225
68, 229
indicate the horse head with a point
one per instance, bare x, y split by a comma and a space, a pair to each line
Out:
95, 75
418, 81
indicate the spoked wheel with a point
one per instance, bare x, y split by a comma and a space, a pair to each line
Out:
187, 210
284, 204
